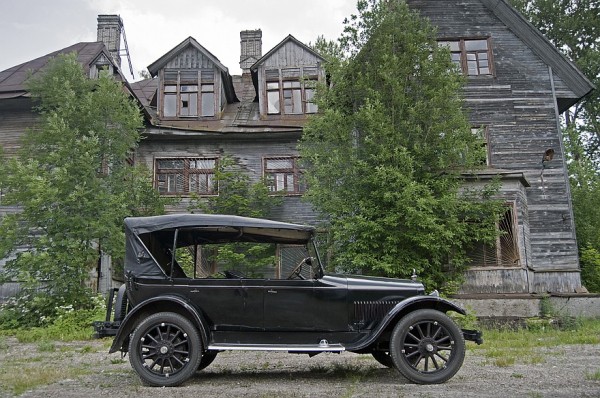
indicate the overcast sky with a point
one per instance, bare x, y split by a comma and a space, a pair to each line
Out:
32, 28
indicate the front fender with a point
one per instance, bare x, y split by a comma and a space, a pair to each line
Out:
175, 304
402, 308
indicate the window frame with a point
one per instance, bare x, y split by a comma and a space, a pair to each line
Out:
188, 103
485, 136
187, 174
295, 171
502, 248
281, 81
464, 55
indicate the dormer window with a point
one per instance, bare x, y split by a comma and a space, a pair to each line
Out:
291, 90
188, 93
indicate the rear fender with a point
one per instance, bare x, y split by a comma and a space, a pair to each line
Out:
402, 308
174, 303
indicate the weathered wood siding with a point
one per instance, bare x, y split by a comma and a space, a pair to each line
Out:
518, 106
15, 118
248, 150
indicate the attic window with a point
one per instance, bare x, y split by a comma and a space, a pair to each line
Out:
472, 56
188, 93
291, 87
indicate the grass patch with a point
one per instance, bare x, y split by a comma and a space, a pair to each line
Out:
20, 376
593, 376
506, 347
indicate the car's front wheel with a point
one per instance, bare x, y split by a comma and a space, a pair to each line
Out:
165, 349
427, 347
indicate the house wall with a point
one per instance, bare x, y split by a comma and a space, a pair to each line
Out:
517, 104
248, 150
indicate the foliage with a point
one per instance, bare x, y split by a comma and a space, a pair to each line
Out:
385, 156
239, 196
68, 324
590, 268
74, 185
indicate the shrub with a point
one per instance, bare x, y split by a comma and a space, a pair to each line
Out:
590, 269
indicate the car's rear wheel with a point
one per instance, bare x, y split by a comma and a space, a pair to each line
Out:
427, 347
165, 349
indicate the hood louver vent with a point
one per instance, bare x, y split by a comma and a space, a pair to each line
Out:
369, 311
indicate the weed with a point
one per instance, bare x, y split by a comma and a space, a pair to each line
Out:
3, 343
517, 375
593, 376
46, 346
86, 349
117, 361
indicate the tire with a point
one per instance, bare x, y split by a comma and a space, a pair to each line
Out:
427, 347
383, 358
165, 349
207, 358
121, 304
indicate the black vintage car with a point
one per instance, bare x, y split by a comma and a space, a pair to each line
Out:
198, 284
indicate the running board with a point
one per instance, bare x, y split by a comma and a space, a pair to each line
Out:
323, 346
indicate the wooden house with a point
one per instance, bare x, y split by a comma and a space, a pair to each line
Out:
518, 85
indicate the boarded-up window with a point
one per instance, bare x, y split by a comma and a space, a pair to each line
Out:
180, 176
472, 56
283, 174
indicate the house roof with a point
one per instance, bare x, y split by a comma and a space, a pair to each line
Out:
190, 41
543, 48
12, 80
289, 38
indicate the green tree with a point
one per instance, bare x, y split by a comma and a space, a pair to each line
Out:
385, 155
572, 26
73, 184
239, 196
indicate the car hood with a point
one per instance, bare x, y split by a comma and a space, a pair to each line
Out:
404, 287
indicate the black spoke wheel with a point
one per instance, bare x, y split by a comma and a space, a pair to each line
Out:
165, 349
427, 347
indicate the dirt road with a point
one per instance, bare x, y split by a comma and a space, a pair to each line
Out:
85, 369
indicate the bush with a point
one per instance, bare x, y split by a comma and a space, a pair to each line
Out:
67, 324
590, 269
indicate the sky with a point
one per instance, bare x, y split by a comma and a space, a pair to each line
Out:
32, 28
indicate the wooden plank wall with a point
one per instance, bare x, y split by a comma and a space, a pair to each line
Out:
518, 106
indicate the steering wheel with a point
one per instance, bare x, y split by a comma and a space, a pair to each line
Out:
296, 271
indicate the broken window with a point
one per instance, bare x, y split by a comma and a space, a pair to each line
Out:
181, 96
482, 133
504, 252
472, 56
180, 176
283, 174
294, 88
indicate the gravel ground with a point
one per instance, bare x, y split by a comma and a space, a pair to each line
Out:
85, 369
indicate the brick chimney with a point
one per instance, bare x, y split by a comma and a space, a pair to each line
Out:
251, 48
109, 32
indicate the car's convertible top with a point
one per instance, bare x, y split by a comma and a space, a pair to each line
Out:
146, 237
